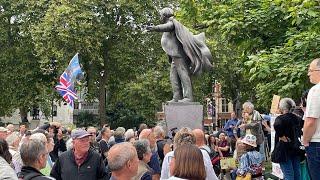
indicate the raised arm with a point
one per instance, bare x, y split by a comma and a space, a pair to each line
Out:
167, 27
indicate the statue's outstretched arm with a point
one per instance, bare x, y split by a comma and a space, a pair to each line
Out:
167, 27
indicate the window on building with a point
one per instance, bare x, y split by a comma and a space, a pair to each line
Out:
54, 110
35, 113
213, 108
224, 104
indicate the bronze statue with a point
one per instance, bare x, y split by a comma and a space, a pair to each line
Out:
188, 54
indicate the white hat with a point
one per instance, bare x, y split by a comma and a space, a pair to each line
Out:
250, 139
2, 129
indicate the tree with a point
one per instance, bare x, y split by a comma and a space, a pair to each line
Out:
23, 84
260, 47
103, 32
86, 119
120, 115
283, 68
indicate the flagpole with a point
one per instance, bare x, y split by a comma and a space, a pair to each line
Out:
53, 70
52, 107
68, 79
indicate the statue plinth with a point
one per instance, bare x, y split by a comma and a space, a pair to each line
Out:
182, 103
186, 114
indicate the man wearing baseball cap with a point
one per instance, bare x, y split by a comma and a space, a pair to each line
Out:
3, 133
81, 162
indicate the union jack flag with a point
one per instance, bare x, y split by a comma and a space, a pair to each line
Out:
67, 79
66, 89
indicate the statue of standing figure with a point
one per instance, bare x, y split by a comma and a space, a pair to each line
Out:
188, 54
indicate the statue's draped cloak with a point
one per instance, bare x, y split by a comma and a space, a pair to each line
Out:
195, 48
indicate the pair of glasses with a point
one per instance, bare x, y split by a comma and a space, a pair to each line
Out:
312, 70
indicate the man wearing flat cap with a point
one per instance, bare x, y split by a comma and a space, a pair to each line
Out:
81, 162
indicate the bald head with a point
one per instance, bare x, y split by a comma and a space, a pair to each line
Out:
199, 135
145, 134
120, 154
150, 136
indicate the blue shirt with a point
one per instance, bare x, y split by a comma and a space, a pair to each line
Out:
154, 163
230, 122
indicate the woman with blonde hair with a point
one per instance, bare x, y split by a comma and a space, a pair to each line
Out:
187, 163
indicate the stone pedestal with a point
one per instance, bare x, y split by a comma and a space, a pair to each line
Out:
178, 115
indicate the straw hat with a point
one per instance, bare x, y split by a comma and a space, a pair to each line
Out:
250, 139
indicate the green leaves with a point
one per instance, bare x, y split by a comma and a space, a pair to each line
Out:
107, 35
261, 47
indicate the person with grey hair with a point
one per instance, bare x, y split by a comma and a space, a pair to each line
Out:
182, 137
161, 142
144, 155
44, 136
251, 123
34, 154
188, 54
123, 161
129, 135
288, 132
10, 128
118, 135
286, 105
13, 141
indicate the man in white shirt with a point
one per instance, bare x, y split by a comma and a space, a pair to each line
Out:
311, 128
185, 136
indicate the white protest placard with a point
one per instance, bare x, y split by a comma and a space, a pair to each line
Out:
276, 170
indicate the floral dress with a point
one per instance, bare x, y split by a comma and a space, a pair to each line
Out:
251, 162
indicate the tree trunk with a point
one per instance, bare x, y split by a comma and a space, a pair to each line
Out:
24, 114
102, 84
102, 99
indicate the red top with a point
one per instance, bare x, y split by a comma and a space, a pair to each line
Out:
224, 143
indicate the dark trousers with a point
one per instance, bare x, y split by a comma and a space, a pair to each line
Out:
313, 157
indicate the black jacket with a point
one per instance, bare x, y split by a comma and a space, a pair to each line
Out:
30, 173
66, 167
288, 125
59, 145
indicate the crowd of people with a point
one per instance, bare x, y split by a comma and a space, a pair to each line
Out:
53, 151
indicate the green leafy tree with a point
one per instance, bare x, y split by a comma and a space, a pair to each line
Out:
108, 35
22, 82
86, 119
120, 115
260, 47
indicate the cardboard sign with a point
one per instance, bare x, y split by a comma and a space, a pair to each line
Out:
275, 104
227, 163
